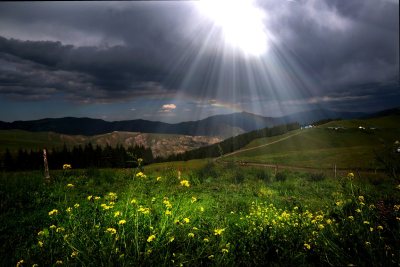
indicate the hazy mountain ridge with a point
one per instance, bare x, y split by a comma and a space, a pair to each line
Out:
222, 126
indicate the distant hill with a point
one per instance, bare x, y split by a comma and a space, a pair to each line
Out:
222, 126
162, 145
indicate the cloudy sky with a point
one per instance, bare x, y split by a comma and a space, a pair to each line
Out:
179, 61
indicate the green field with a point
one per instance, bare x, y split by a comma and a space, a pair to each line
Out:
323, 147
198, 213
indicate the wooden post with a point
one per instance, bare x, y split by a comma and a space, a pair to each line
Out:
335, 170
46, 167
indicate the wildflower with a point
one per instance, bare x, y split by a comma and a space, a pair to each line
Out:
40, 233
190, 235
329, 221
185, 183
307, 246
40, 243
67, 166
211, 257
201, 209
74, 254
367, 243
151, 238
380, 227
112, 195
194, 199
70, 185
59, 262
121, 222
371, 229
69, 209
76, 206
206, 240
398, 186
111, 231
168, 212
171, 239
105, 206
219, 231
195, 228
53, 212
140, 175
350, 176
60, 229
396, 207
96, 198
144, 210
167, 203
372, 206
361, 198
339, 203
224, 250
133, 201
117, 213
321, 226
53, 226
158, 178
20, 263
366, 222
89, 197
35, 265
186, 220
358, 210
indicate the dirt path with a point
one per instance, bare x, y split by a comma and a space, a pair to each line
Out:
256, 147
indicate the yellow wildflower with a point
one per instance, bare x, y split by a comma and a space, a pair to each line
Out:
97, 198
89, 197
194, 199
190, 235
218, 231
40, 233
121, 222
151, 238
366, 222
117, 213
396, 207
371, 229
329, 221
367, 243
60, 229
307, 246
76, 206
70, 185
350, 176
211, 257
171, 239
358, 210
111, 231
201, 209
67, 166
224, 250
380, 227
351, 218
59, 262
20, 263
186, 220
206, 240
144, 210
158, 178
133, 201
140, 175
53, 226
69, 209
74, 254
195, 228
168, 212
361, 198
40, 243
53, 212
321, 226
185, 183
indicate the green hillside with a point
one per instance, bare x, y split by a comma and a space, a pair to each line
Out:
324, 146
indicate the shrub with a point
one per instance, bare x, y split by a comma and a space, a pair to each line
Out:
316, 177
281, 176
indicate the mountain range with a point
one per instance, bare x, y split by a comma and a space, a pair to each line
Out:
223, 126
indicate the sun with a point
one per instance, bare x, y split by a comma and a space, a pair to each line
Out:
242, 23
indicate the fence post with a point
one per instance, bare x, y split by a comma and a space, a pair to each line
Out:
46, 167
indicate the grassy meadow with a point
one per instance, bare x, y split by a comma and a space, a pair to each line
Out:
198, 213
323, 147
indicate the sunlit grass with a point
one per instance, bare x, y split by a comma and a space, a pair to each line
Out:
220, 215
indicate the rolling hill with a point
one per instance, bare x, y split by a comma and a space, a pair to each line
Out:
222, 126
161, 144
345, 143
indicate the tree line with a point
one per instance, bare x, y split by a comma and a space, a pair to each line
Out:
79, 157
234, 143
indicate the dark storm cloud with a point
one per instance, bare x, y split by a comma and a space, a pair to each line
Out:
109, 52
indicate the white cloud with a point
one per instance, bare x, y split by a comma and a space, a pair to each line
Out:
167, 108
